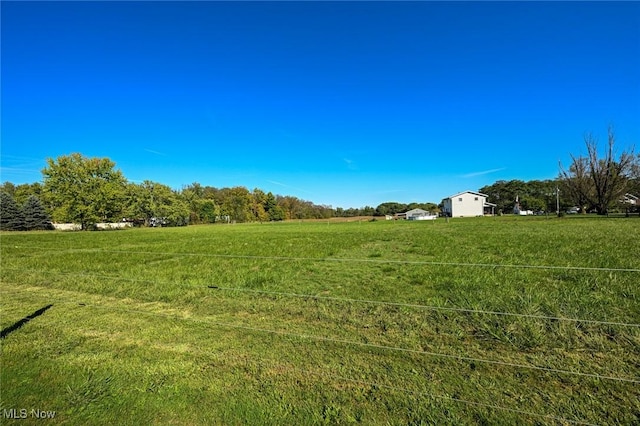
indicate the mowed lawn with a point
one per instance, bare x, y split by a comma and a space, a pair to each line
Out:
508, 320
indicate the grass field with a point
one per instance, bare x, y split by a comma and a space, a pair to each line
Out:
510, 320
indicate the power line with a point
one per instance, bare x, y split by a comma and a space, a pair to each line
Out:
347, 300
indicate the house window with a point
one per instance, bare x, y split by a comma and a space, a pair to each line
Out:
476, 198
460, 199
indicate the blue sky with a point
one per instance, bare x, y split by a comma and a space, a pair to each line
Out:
340, 103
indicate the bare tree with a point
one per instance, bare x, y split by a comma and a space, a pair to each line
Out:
577, 184
598, 183
635, 177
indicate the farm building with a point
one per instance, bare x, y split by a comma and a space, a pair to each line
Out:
419, 214
415, 214
467, 203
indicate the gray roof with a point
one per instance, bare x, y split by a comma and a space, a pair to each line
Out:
468, 192
416, 211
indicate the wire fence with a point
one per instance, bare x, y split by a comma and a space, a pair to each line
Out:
332, 298
353, 343
346, 260
323, 374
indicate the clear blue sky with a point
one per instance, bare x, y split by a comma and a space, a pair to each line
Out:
340, 103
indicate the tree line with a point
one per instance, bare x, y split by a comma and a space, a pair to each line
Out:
88, 191
535, 195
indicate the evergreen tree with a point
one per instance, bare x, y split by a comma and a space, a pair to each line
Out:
274, 212
277, 214
35, 216
11, 217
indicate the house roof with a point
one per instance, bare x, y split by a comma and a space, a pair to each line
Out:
467, 192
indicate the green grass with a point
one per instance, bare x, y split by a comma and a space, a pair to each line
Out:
284, 323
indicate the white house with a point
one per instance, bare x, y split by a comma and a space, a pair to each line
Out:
630, 199
467, 204
419, 214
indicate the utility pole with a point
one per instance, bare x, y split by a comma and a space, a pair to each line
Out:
557, 201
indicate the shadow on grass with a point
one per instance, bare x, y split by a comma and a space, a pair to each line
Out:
6, 331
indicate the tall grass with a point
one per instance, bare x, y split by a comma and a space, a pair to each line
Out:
484, 320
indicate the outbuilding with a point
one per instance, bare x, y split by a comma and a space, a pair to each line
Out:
419, 214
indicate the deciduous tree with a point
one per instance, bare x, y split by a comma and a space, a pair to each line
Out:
634, 185
155, 203
599, 182
83, 190
237, 204
258, 205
